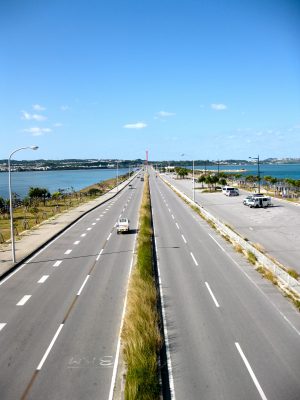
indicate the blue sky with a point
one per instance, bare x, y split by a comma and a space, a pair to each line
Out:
94, 79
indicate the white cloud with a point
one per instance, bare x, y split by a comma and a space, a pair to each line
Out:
137, 125
36, 117
64, 108
164, 114
38, 107
218, 107
37, 131
57, 125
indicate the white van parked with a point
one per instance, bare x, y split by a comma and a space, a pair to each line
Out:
259, 202
230, 191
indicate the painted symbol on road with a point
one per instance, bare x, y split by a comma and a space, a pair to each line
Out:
91, 362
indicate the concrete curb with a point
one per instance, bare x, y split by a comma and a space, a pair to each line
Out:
286, 280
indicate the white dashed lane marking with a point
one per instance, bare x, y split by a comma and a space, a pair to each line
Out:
83, 235
194, 259
24, 300
57, 263
2, 325
77, 242
68, 251
248, 366
43, 278
183, 238
212, 295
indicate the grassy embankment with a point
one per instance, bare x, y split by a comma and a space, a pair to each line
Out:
29, 217
141, 335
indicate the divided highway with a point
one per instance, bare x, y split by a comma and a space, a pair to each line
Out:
60, 314
230, 334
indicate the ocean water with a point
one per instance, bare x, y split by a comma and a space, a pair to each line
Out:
54, 180
276, 170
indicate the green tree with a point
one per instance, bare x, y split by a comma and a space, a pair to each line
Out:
201, 179
38, 193
2, 205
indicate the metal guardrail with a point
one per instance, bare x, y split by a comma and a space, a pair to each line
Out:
284, 277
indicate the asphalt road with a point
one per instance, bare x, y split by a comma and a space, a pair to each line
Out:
229, 334
276, 228
60, 315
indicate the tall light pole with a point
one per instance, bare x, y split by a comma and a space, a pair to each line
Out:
12, 232
117, 176
258, 171
193, 180
193, 176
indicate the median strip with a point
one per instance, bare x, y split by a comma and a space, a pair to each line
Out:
141, 338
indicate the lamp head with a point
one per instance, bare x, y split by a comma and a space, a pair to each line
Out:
34, 147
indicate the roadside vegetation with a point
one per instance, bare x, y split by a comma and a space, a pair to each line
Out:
141, 336
39, 205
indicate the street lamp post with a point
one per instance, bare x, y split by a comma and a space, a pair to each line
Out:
193, 180
193, 176
117, 176
258, 171
12, 232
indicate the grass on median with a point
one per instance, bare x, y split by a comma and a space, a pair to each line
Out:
141, 335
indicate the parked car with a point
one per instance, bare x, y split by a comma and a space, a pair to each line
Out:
260, 201
247, 199
233, 192
227, 189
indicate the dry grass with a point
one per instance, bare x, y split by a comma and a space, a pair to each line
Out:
238, 248
267, 275
251, 257
141, 336
293, 273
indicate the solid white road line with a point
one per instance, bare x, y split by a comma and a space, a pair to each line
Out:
248, 366
2, 325
24, 300
109, 236
83, 235
212, 295
85, 281
39, 367
68, 251
77, 242
177, 225
195, 261
216, 242
99, 255
43, 279
116, 363
183, 238
57, 263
